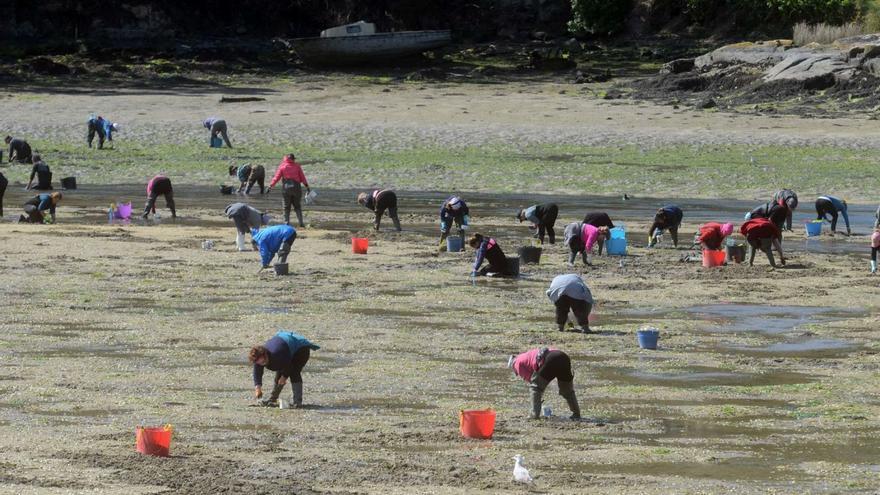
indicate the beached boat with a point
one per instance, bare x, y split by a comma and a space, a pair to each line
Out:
359, 42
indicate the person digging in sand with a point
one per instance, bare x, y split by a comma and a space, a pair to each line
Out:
286, 354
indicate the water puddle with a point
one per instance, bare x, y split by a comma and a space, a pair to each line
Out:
813, 348
693, 377
275, 310
731, 469
771, 320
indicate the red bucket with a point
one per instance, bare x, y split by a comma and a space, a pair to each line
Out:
153, 440
359, 245
477, 423
712, 258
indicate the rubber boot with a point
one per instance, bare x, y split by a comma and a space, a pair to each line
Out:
536, 393
566, 390
239, 242
299, 217
273, 397
873, 266
442, 245
297, 395
396, 221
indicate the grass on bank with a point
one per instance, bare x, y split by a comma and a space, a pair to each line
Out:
730, 171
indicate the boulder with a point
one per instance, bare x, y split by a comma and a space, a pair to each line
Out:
814, 70
763, 53
48, 67
678, 66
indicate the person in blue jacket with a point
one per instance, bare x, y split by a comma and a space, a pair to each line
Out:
668, 217
96, 125
286, 354
275, 239
830, 205
454, 209
35, 207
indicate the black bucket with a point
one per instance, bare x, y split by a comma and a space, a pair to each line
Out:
68, 183
736, 253
227, 190
530, 254
281, 269
512, 266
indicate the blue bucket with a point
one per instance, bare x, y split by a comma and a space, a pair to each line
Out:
814, 228
453, 244
616, 247
216, 142
648, 338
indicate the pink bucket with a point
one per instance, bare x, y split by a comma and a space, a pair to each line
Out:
123, 211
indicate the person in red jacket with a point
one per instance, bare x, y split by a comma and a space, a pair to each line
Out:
762, 234
292, 179
712, 234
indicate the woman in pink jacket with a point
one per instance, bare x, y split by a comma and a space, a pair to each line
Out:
539, 367
292, 179
581, 237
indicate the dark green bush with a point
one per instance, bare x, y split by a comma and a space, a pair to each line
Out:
601, 17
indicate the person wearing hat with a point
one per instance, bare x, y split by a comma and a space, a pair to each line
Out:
775, 212
570, 293
217, 126
19, 150
246, 218
580, 237
830, 206
248, 176
378, 201
286, 354
43, 174
712, 235
541, 366
292, 178
762, 234
488, 249
788, 198
271, 240
668, 217
34, 208
543, 217
599, 219
453, 209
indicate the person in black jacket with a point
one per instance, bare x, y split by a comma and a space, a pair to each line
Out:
777, 213
43, 174
668, 217
3, 183
379, 201
248, 176
543, 217
19, 150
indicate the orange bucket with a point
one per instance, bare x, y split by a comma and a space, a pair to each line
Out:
359, 245
712, 258
477, 423
153, 440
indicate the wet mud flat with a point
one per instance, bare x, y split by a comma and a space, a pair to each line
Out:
765, 380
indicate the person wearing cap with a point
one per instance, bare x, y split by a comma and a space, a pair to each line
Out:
19, 150
286, 354
159, 185
292, 178
35, 207
43, 174
378, 201
599, 219
271, 240
570, 293
830, 206
217, 126
246, 218
712, 235
775, 212
543, 217
541, 366
488, 249
762, 234
875, 246
580, 238
788, 198
248, 176
669, 217
453, 209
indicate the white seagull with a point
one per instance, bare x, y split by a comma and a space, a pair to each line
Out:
520, 473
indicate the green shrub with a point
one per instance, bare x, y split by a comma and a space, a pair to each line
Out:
599, 16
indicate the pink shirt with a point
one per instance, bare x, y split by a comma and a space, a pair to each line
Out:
526, 364
875, 240
151, 183
589, 236
289, 169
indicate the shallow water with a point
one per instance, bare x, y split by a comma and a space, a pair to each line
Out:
771, 320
